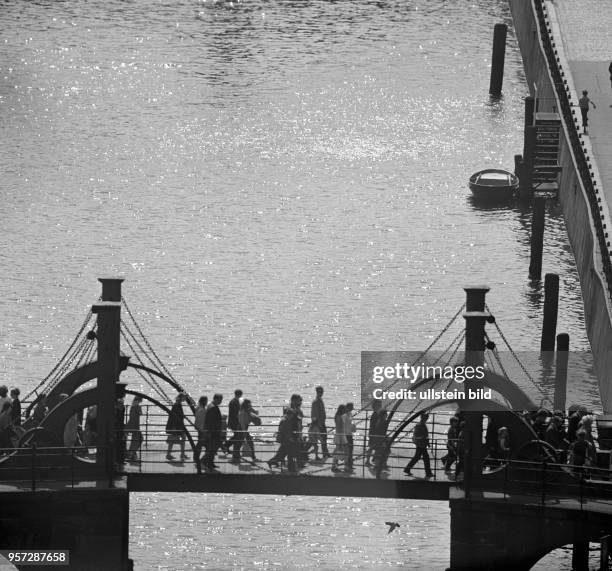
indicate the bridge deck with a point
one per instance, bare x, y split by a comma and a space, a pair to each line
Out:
154, 473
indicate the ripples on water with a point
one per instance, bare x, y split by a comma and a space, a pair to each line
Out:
283, 184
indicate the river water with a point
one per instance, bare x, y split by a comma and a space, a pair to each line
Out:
283, 185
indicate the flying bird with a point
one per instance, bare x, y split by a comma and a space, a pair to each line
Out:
392, 525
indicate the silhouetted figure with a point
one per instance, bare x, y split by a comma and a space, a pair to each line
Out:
582, 453
584, 103
234, 425
283, 437
200, 417
246, 417
349, 428
213, 425
5, 426
318, 420
4, 398
451, 444
15, 407
175, 428
133, 429
420, 438
340, 442
381, 442
503, 443
40, 410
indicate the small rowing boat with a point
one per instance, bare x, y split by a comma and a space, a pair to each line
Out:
493, 184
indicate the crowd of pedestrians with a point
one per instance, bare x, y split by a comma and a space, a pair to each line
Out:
569, 438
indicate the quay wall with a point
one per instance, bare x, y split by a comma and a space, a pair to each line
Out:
573, 198
92, 524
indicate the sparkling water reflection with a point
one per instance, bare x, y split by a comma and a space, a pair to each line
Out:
283, 185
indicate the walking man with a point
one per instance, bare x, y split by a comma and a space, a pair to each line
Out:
583, 103
200, 417
212, 426
317, 417
234, 424
420, 437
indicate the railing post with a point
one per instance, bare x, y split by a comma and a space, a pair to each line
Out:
146, 438
72, 467
544, 466
365, 446
604, 559
33, 466
506, 478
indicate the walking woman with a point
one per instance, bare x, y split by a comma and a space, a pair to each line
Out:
133, 427
340, 440
247, 416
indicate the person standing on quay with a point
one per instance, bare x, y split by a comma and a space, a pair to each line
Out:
420, 438
317, 417
584, 103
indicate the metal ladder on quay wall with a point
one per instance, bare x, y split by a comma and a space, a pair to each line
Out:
546, 161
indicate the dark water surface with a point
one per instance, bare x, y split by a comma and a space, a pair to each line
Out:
283, 185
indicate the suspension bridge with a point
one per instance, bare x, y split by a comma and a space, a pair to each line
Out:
110, 342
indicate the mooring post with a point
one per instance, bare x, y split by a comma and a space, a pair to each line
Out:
518, 166
551, 308
497, 59
109, 323
529, 150
111, 288
561, 371
537, 238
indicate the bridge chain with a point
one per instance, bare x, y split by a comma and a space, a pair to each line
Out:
37, 390
513, 353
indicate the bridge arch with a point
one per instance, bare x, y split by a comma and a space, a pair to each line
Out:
76, 378
56, 419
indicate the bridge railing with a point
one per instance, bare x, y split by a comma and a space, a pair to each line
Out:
55, 467
369, 459
548, 483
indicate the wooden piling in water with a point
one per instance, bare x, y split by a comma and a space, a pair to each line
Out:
497, 59
529, 111
537, 238
561, 371
551, 308
518, 166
